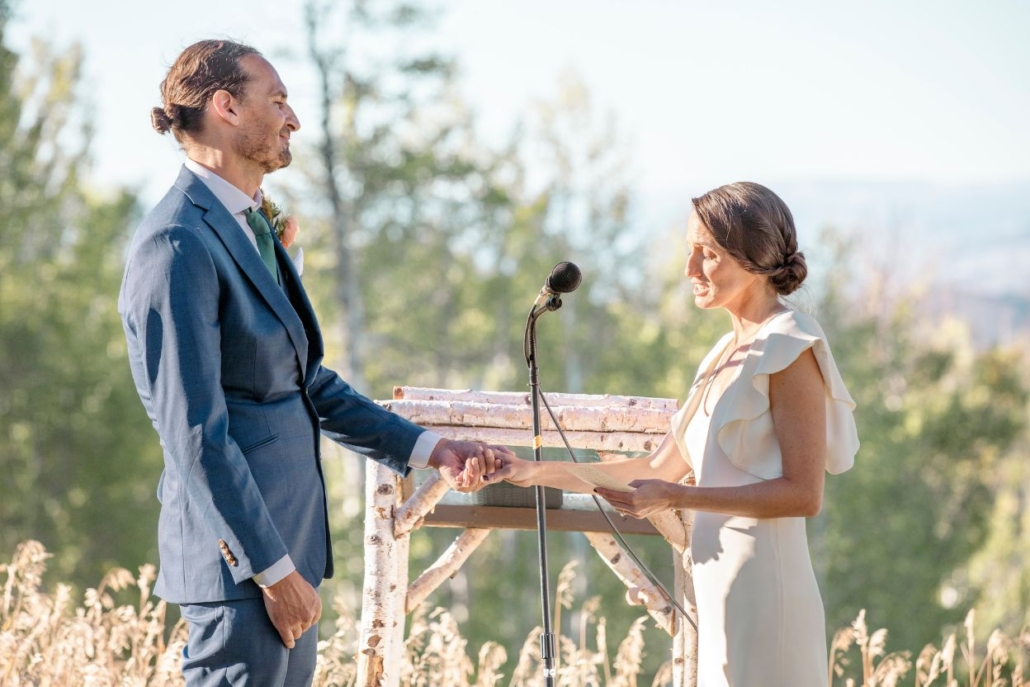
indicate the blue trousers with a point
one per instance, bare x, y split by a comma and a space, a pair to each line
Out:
234, 644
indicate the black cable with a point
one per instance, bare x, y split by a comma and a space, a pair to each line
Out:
615, 530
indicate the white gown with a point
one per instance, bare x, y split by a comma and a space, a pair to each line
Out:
760, 615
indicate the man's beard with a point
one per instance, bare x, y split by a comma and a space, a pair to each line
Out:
255, 149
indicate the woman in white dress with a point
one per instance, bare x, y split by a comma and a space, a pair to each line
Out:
767, 416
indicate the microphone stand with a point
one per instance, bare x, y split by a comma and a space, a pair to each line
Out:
547, 643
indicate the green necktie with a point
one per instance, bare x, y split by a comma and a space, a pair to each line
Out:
265, 244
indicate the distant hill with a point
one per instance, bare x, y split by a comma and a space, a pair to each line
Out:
968, 246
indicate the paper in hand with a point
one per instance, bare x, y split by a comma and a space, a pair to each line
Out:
598, 478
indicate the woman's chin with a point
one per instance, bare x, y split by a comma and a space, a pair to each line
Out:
702, 300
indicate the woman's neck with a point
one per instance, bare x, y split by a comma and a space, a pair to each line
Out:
749, 320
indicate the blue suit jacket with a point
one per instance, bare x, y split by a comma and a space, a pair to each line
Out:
228, 364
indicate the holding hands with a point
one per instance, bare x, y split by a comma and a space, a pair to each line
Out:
638, 498
466, 465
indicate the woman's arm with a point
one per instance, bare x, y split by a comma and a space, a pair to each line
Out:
798, 407
665, 463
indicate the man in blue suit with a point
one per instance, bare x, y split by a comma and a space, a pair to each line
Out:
226, 354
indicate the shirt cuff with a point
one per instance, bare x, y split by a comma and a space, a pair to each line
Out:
275, 572
424, 447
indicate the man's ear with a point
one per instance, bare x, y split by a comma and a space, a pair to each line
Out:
224, 105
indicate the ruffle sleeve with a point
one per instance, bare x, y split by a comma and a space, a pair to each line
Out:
744, 428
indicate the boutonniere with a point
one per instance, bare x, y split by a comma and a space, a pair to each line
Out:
285, 226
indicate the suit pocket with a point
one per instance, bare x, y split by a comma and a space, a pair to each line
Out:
259, 444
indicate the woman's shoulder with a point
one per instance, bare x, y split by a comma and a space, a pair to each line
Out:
782, 340
793, 324
746, 423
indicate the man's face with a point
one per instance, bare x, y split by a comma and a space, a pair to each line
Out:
263, 137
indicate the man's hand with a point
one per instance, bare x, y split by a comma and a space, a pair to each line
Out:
462, 464
293, 605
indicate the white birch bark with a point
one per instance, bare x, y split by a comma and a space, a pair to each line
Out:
413, 393
571, 418
633, 577
449, 563
684, 642
425, 498
381, 640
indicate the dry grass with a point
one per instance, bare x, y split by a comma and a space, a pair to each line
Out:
44, 641
47, 641
956, 663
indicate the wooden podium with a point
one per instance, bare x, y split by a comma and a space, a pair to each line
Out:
611, 425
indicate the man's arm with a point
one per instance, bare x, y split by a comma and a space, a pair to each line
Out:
359, 423
170, 312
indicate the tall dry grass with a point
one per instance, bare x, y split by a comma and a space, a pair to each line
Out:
957, 662
47, 641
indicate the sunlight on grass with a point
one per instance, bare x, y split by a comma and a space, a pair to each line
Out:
46, 640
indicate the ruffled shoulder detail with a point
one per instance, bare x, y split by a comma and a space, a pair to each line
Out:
744, 426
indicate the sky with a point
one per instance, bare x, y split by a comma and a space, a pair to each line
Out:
913, 91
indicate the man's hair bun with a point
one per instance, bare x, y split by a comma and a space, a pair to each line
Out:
160, 120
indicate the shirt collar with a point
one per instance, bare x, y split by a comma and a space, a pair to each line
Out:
234, 200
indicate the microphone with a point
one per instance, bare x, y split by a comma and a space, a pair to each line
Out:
564, 278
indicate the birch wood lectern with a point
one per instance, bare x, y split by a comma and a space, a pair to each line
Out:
610, 425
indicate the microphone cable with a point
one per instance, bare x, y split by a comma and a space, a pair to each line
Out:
615, 530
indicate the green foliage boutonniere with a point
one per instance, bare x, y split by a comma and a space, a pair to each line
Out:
285, 226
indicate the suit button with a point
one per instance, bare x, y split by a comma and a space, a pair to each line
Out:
227, 553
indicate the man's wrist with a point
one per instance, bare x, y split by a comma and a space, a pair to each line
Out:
423, 450
275, 572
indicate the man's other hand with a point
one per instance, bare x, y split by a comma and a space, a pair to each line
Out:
293, 606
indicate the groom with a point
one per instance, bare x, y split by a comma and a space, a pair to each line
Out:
226, 354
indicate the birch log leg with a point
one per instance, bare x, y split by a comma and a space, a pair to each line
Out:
684, 642
382, 600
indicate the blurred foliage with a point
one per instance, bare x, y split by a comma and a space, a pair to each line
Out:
449, 239
78, 457
937, 420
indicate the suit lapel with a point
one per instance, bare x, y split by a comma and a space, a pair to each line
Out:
299, 299
247, 259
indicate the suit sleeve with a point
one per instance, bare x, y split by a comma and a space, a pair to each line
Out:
172, 314
357, 422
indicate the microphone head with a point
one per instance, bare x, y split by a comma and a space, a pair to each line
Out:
564, 278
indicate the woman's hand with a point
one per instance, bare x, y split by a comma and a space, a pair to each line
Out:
512, 469
649, 496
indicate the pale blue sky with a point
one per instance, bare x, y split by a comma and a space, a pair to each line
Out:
706, 92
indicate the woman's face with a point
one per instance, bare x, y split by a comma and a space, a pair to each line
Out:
718, 279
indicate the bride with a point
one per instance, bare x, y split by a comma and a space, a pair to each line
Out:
767, 416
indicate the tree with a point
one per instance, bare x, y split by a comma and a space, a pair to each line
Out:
934, 415
77, 453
